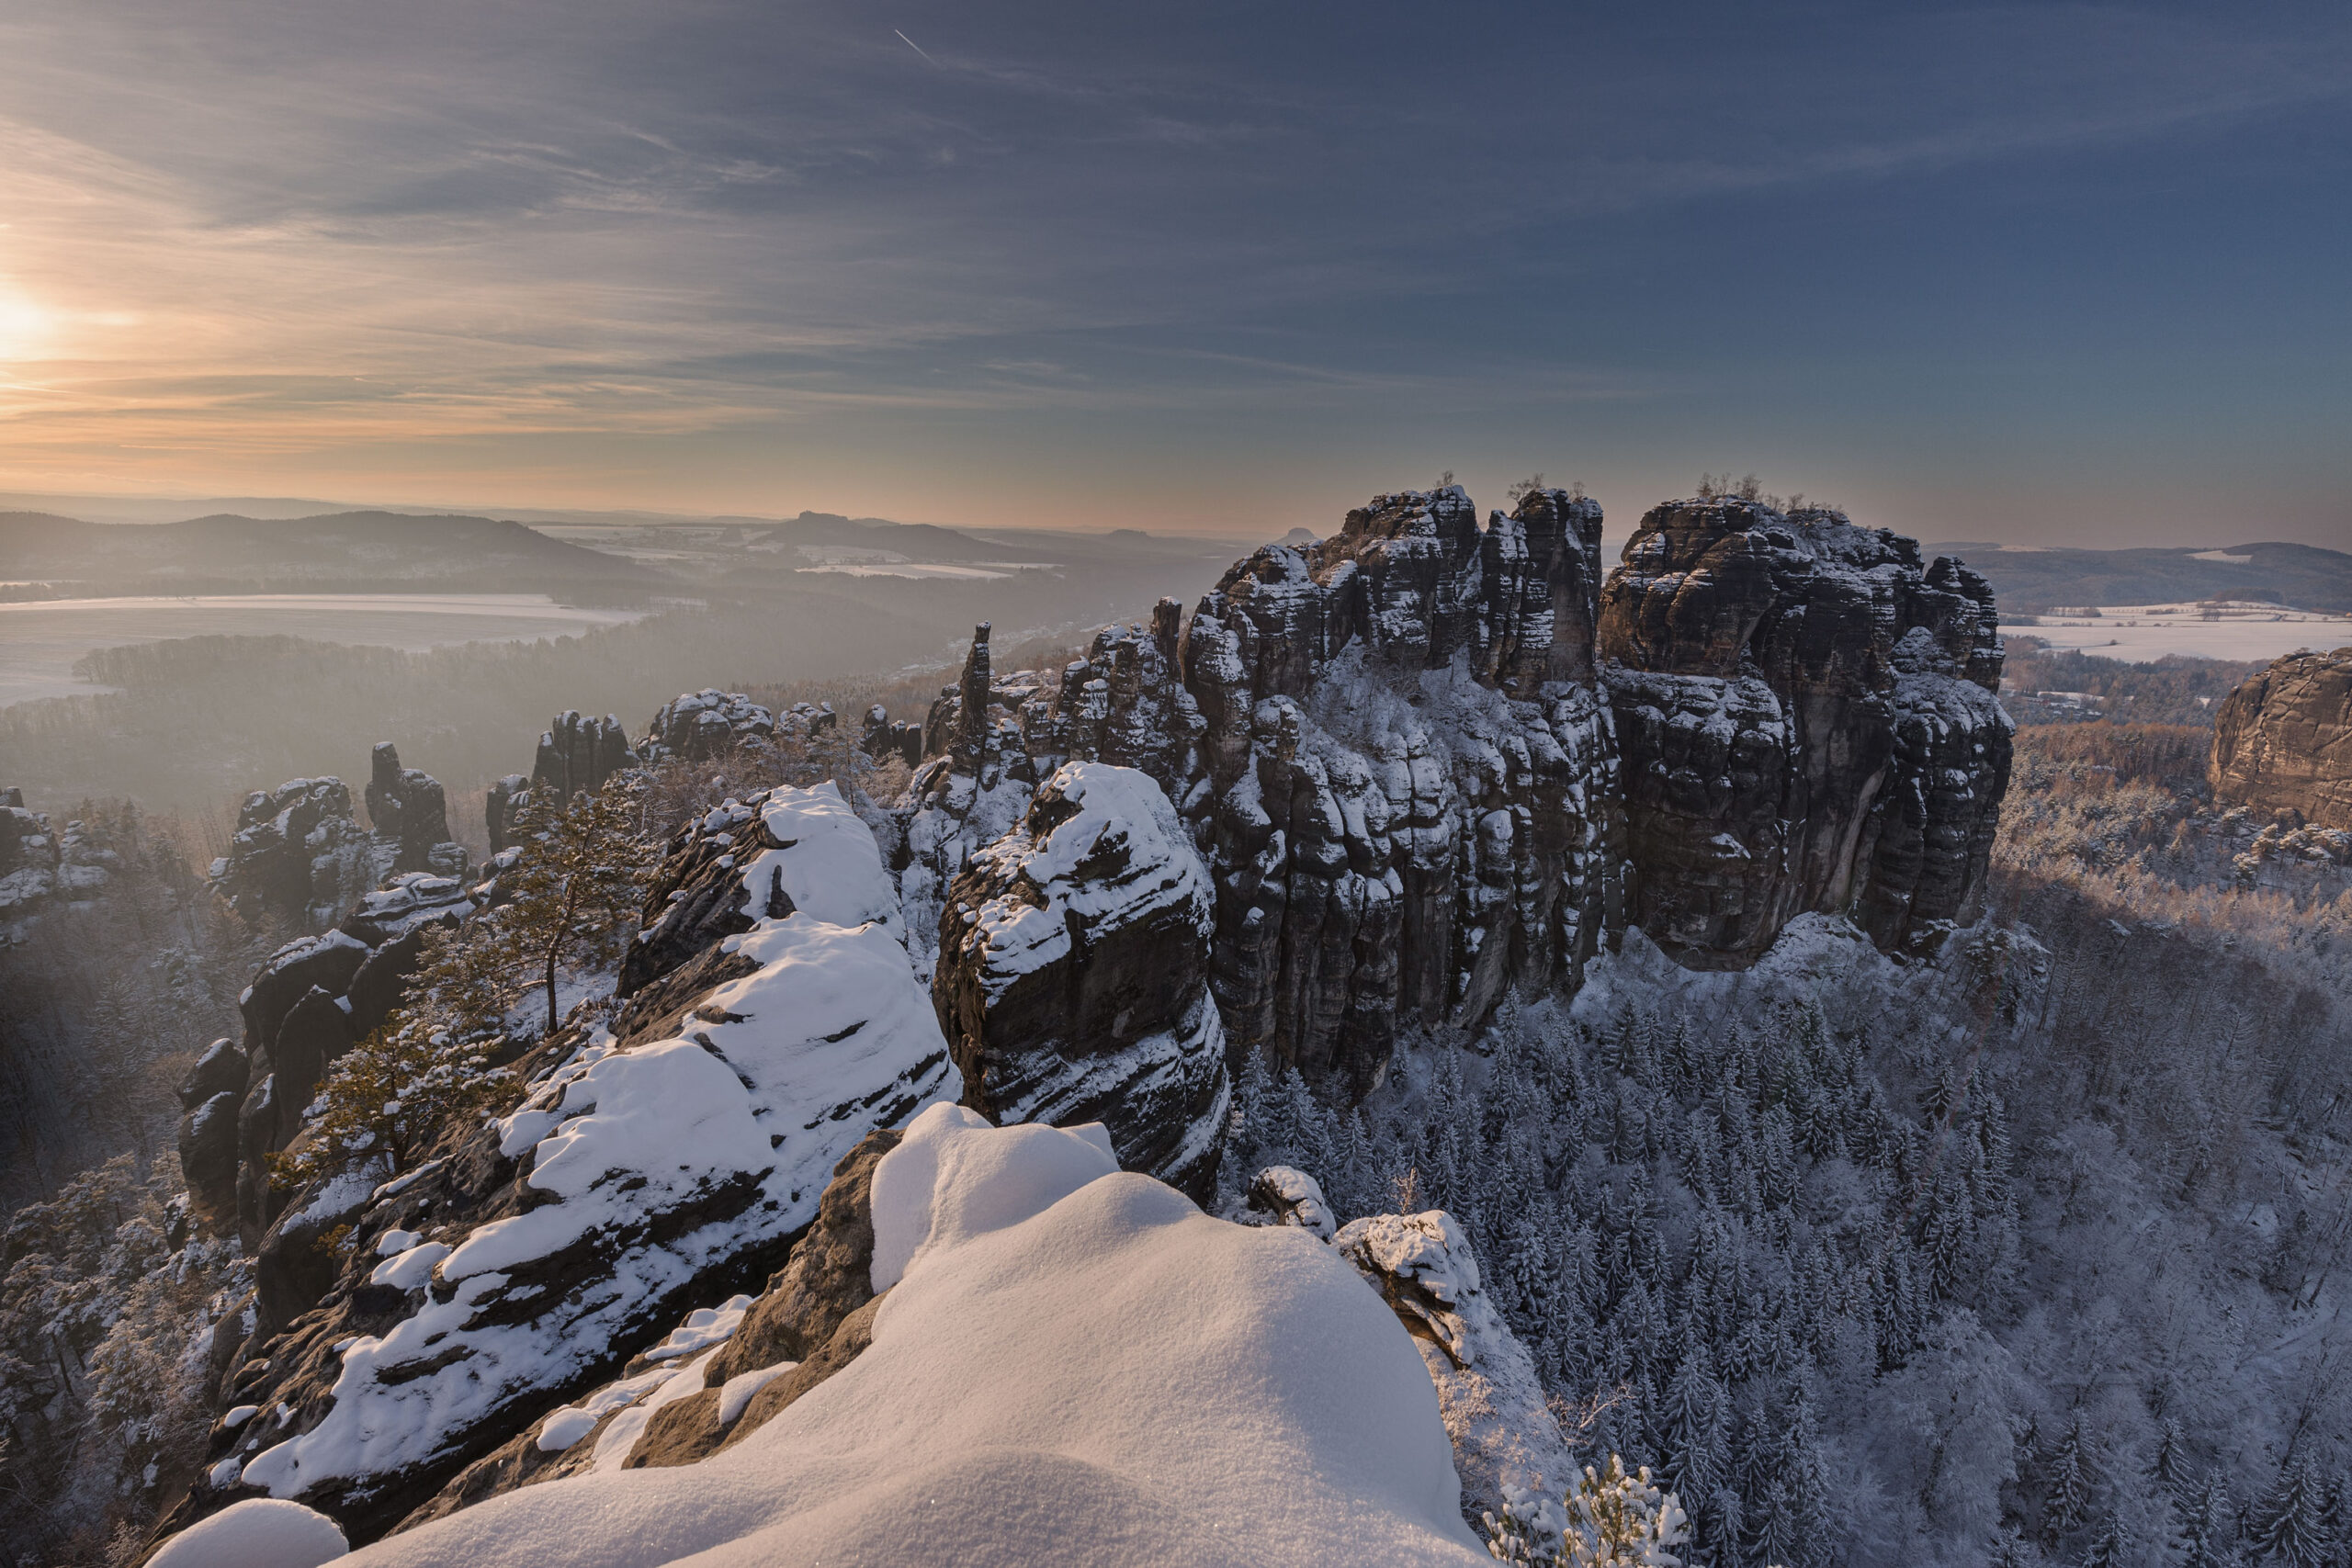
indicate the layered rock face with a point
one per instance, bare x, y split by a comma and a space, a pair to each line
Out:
1072, 981
577, 754
2282, 742
1806, 720
1427, 762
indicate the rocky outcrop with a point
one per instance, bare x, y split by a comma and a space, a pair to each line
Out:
1505, 1436
410, 816
1072, 981
704, 724
298, 856
209, 1098
2282, 742
1806, 720
576, 755
652, 1168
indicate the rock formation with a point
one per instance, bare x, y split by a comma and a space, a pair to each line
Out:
1806, 721
41, 865
298, 854
410, 816
1072, 981
2282, 742
576, 756
1428, 763
703, 724
1505, 1436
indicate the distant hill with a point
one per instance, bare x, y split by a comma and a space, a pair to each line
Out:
2030, 582
383, 549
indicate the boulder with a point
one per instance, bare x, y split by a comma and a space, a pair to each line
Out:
1073, 974
2282, 742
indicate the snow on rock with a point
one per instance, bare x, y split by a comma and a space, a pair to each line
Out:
1505, 1438
1073, 974
1092, 1371
1292, 1198
260, 1532
653, 1165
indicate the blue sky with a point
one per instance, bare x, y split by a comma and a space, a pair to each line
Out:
2038, 273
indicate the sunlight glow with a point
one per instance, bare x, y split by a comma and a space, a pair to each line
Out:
24, 326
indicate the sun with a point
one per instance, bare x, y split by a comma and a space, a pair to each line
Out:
25, 327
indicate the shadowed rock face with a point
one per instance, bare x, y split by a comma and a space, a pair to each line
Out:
1805, 719
2282, 741
1072, 982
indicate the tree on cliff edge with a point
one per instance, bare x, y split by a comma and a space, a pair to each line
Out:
573, 893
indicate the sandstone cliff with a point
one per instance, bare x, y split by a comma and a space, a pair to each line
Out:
2282, 742
1429, 763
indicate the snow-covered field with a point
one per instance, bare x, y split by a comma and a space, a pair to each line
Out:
2140, 634
39, 639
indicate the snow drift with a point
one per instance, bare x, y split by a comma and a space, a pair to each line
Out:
1077, 1365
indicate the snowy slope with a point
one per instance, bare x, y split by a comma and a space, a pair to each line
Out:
1077, 1366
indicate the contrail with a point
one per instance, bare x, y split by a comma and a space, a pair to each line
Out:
913, 45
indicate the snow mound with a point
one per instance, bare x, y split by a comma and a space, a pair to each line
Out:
1088, 1370
943, 1186
260, 1532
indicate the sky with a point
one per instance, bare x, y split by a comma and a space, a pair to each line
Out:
2045, 273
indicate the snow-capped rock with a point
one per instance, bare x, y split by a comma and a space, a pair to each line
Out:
1073, 978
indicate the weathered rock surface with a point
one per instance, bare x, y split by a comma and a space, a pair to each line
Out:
1073, 974
1429, 763
209, 1098
2282, 742
1805, 716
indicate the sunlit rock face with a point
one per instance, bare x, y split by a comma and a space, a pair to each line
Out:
1806, 715
2282, 742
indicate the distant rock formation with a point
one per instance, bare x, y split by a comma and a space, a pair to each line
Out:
410, 815
298, 856
576, 756
1072, 981
1806, 719
2282, 742
41, 865
301, 857
703, 724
